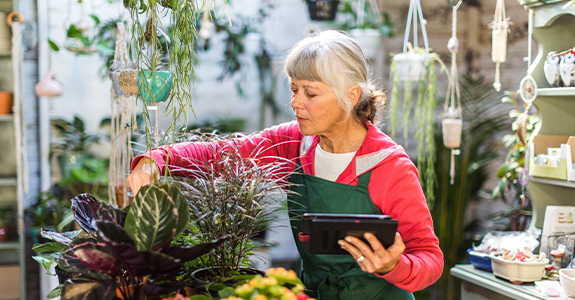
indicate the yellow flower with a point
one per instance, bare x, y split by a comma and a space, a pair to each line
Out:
291, 275
232, 298
261, 297
269, 281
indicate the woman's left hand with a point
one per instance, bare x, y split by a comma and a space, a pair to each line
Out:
374, 259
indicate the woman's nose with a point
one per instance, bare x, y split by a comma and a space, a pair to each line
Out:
296, 101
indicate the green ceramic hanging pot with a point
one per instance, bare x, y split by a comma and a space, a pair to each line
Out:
160, 85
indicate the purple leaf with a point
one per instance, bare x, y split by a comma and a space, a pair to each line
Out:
187, 253
87, 210
56, 236
97, 260
90, 286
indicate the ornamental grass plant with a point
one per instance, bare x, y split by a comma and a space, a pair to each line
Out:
231, 194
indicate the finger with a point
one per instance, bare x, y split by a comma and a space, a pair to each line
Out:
376, 246
355, 253
363, 247
398, 246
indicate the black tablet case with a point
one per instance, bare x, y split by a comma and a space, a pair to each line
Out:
321, 232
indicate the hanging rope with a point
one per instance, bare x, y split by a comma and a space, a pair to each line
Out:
500, 27
452, 124
15, 19
415, 9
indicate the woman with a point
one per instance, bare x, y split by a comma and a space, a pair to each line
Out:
349, 166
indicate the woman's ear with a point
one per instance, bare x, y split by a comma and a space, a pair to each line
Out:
353, 94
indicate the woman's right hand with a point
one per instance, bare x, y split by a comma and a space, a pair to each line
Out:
145, 172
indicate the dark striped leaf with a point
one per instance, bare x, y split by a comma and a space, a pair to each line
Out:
87, 210
90, 286
157, 215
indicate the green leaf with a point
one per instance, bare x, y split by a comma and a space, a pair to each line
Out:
44, 262
509, 100
104, 49
157, 215
226, 292
73, 32
90, 286
48, 247
201, 297
56, 292
53, 45
96, 19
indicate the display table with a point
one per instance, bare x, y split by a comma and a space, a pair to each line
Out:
478, 284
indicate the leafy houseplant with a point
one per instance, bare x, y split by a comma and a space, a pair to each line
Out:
72, 149
119, 249
5, 219
510, 189
50, 210
479, 143
232, 195
426, 85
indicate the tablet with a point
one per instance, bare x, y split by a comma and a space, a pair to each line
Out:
321, 232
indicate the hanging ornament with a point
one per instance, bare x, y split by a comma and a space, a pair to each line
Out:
500, 27
452, 125
49, 86
527, 88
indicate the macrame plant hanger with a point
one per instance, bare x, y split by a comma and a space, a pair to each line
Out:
500, 27
123, 119
415, 9
452, 124
360, 12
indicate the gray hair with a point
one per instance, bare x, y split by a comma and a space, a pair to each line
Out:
336, 59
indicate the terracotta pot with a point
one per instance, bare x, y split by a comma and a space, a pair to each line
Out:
190, 291
3, 233
6, 103
121, 199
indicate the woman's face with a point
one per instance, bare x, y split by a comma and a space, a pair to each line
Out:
315, 106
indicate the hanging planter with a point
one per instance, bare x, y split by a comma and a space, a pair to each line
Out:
322, 10
417, 65
128, 81
500, 27
252, 43
154, 86
369, 40
49, 86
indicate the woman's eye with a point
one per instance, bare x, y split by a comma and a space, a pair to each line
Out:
310, 95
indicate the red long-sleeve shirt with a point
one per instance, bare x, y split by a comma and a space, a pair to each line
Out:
394, 188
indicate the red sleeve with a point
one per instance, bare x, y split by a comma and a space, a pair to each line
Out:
281, 141
399, 195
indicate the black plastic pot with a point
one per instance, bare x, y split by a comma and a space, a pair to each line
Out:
199, 279
322, 10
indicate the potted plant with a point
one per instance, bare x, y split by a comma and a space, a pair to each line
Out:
72, 149
322, 10
5, 219
124, 253
233, 195
366, 24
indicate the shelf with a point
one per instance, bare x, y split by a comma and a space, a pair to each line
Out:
565, 91
486, 280
5, 53
5, 118
8, 182
10, 246
551, 181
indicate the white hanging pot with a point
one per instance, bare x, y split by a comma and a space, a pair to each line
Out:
128, 81
451, 129
411, 67
499, 46
252, 43
369, 40
49, 86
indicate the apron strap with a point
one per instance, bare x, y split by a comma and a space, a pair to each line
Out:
363, 180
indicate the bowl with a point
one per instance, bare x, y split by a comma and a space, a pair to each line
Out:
516, 271
567, 279
480, 260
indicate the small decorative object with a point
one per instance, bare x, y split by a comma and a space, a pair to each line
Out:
49, 86
567, 279
567, 68
159, 88
551, 69
557, 255
6, 100
322, 10
128, 81
452, 124
500, 27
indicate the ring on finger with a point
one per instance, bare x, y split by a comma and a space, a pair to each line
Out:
360, 259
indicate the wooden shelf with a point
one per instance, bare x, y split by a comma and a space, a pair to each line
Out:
559, 91
8, 182
10, 246
551, 181
5, 53
5, 118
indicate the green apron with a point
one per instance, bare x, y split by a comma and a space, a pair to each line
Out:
333, 277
